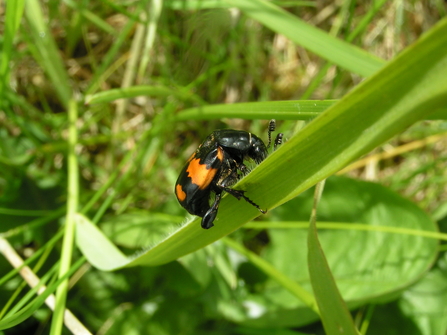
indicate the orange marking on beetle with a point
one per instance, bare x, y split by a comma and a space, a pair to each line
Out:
199, 174
220, 155
181, 195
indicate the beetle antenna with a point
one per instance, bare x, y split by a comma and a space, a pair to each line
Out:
278, 141
272, 127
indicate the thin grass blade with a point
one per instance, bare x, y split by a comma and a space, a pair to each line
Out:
339, 52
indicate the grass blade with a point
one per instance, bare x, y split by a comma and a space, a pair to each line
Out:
14, 13
281, 110
72, 205
46, 52
326, 46
334, 312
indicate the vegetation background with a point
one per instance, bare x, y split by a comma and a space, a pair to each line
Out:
102, 102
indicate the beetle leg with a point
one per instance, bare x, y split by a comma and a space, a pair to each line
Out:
226, 180
238, 194
244, 169
210, 215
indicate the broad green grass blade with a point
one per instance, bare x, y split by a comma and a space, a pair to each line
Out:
102, 253
406, 90
281, 110
46, 52
345, 226
334, 313
326, 46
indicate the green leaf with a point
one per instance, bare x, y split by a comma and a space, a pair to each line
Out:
424, 303
374, 265
420, 311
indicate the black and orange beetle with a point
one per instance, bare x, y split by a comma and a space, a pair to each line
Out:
217, 164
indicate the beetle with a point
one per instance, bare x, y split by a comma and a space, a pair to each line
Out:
216, 165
